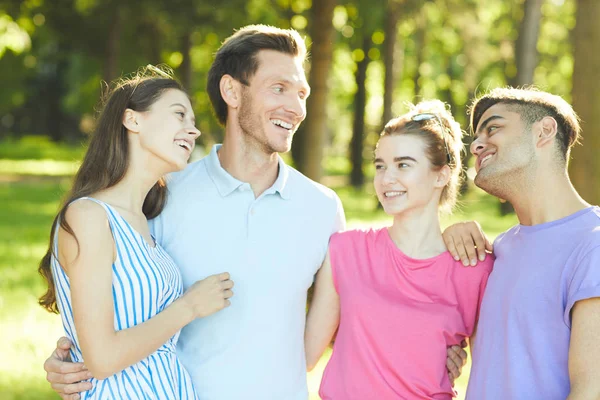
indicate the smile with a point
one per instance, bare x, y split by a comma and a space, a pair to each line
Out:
485, 159
184, 144
282, 124
394, 194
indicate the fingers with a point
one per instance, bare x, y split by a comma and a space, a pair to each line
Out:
55, 365
462, 251
69, 396
72, 389
453, 372
68, 378
480, 244
227, 293
71, 392
456, 360
63, 343
228, 284
488, 245
223, 276
449, 241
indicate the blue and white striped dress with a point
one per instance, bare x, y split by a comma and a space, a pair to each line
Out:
145, 281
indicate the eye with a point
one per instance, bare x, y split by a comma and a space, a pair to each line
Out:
302, 95
403, 165
278, 89
492, 129
379, 166
181, 114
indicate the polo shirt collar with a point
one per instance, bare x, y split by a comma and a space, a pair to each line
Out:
227, 184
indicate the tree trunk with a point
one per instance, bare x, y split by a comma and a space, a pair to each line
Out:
56, 91
526, 46
111, 57
393, 53
585, 166
419, 49
311, 140
186, 64
357, 176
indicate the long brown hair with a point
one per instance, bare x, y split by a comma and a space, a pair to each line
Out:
107, 158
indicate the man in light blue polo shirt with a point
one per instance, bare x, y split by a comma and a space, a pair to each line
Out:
242, 210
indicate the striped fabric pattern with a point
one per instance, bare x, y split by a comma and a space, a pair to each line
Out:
145, 282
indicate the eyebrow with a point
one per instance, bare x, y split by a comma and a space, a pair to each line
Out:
397, 159
485, 123
185, 108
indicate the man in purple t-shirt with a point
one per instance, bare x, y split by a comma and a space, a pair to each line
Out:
538, 335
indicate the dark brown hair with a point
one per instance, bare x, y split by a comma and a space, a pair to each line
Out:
443, 139
237, 57
533, 105
107, 158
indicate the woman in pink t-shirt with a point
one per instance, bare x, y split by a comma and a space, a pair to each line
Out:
398, 296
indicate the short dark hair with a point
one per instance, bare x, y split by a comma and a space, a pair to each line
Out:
533, 105
443, 140
237, 57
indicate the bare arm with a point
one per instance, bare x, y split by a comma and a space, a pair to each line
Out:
105, 350
323, 316
467, 242
584, 350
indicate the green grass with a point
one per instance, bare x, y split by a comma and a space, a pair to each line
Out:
39, 148
27, 206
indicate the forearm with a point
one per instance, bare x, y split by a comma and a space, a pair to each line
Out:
591, 391
318, 335
106, 354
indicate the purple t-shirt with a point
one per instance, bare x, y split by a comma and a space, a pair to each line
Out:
522, 344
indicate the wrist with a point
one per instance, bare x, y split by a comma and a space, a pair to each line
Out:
185, 309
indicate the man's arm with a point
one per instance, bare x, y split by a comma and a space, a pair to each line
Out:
467, 242
584, 350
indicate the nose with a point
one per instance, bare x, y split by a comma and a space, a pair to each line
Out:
193, 131
297, 106
477, 146
389, 176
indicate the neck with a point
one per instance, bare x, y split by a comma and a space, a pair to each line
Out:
248, 162
417, 232
143, 172
546, 196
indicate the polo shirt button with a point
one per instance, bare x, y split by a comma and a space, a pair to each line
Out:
252, 212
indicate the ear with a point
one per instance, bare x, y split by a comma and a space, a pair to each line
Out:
231, 91
130, 121
546, 132
443, 177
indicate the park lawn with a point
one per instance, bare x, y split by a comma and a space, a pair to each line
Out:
28, 202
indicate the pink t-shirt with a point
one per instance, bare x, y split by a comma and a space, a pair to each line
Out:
398, 316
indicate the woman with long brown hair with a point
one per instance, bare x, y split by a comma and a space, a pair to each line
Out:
119, 294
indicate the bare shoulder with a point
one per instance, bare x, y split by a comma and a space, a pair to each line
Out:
86, 215
91, 229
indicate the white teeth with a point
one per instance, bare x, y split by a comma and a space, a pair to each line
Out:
393, 194
282, 124
184, 144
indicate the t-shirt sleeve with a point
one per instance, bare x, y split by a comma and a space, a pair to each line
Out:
488, 264
471, 289
341, 245
340, 217
584, 282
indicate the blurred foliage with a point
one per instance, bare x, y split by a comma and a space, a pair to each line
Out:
55, 53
